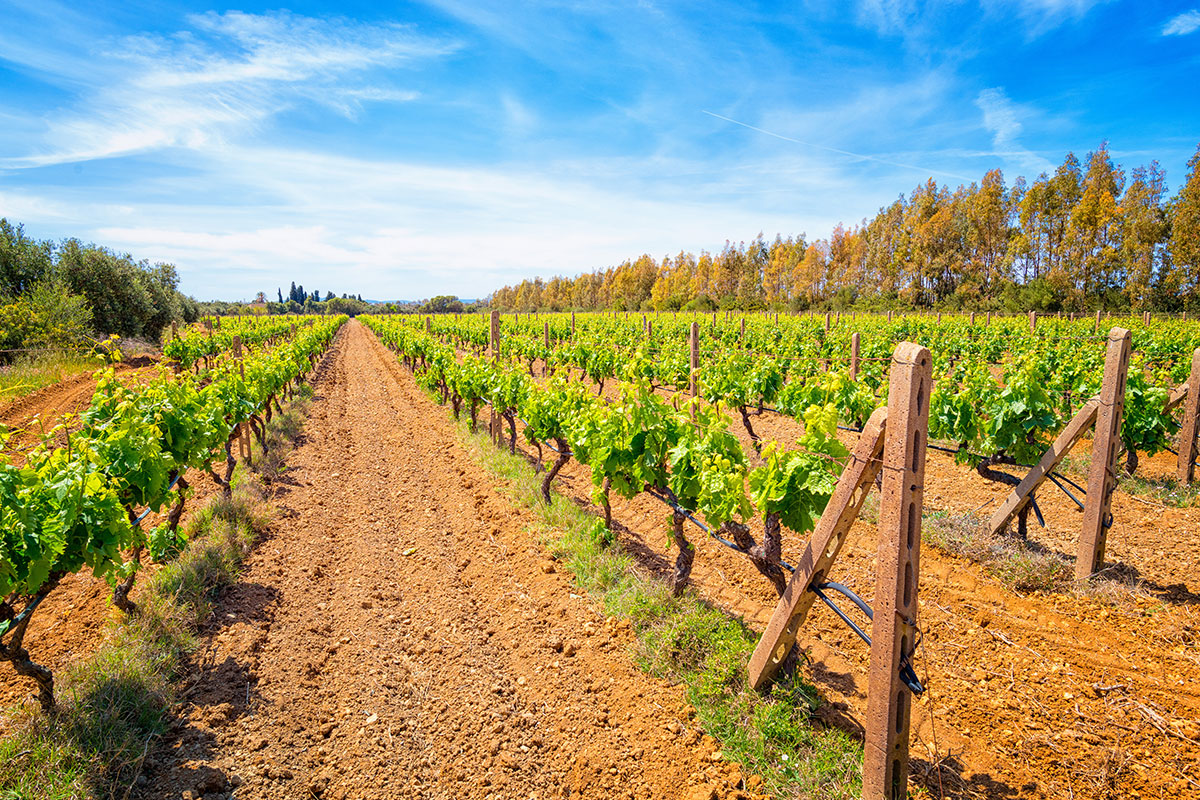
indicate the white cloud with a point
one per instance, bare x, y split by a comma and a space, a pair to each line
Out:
228, 74
1183, 24
392, 229
1002, 119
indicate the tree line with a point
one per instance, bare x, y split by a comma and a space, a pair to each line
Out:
1086, 237
57, 294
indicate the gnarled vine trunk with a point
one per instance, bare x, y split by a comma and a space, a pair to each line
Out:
14, 650
984, 468
564, 455
687, 554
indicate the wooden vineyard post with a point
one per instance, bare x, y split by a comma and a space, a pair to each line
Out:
972, 317
1102, 477
822, 550
885, 756
572, 325
494, 422
889, 316
1146, 318
1096, 327
742, 337
429, 325
827, 322
546, 342
854, 350
989, 319
649, 329
1191, 419
1032, 321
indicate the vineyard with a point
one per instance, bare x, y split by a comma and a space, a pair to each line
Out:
1043, 645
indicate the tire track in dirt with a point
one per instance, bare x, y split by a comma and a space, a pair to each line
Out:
400, 634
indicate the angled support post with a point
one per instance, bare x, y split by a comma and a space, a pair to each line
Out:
1102, 477
822, 550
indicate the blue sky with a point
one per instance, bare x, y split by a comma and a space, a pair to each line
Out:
403, 150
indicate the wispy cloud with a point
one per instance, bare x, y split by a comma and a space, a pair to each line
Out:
1042, 16
855, 156
224, 75
1002, 119
1183, 24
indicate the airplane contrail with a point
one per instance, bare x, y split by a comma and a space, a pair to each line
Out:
836, 150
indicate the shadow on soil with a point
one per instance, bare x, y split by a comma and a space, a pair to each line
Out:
219, 694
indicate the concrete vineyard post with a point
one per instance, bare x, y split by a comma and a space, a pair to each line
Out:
1102, 477
494, 427
854, 350
885, 756
889, 316
694, 362
822, 550
1191, 420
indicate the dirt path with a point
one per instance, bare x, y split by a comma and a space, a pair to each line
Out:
400, 635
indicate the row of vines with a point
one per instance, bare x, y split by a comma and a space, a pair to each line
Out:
1002, 392
80, 505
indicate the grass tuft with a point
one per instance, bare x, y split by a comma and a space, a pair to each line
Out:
775, 736
1019, 565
